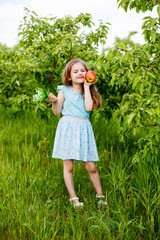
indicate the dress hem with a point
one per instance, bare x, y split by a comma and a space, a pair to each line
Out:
76, 160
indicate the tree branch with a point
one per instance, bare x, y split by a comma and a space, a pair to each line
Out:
50, 79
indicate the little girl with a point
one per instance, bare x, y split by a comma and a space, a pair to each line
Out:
74, 139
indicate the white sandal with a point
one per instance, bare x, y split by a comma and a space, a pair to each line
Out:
76, 205
101, 202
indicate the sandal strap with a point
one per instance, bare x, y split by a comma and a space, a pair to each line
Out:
74, 198
77, 205
100, 196
102, 203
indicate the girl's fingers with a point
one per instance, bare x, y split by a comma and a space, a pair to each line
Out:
88, 83
52, 97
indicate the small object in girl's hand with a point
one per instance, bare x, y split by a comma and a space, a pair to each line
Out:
90, 76
40, 96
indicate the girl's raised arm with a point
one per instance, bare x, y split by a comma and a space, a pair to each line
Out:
88, 98
57, 102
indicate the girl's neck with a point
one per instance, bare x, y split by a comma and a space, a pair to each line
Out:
76, 87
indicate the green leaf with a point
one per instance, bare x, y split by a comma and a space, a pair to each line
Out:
149, 111
151, 74
141, 88
128, 73
113, 79
131, 66
120, 60
158, 10
148, 54
147, 17
157, 111
34, 13
109, 54
18, 83
136, 80
130, 117
137, 61
153, 36
147, 34
157, 138
145, 24
152, 22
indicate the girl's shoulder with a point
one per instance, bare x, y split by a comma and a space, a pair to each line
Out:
64, 88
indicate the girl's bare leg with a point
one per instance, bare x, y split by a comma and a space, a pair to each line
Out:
68, 178
94, 176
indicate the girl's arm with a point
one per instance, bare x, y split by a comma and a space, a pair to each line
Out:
57, 102
88, 98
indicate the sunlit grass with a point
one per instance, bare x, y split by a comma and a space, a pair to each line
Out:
34, 202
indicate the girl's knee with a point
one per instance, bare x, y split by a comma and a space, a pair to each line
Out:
91, 167
68, 165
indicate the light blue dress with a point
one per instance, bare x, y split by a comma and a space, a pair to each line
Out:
74, 137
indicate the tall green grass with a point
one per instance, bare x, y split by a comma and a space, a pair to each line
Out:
33, 197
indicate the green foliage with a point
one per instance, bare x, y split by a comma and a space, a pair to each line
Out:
151, 25
140, 106
139, 5
151, 29
114, 72
45, 45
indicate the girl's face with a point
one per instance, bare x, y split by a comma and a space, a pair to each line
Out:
78, 72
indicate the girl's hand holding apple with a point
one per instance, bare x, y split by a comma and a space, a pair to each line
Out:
90, 77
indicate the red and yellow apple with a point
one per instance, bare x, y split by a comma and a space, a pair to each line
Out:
90, 76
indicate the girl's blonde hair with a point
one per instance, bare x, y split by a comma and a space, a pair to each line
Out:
97, 100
